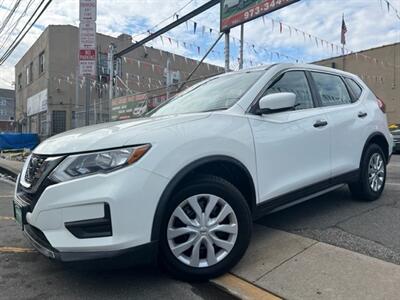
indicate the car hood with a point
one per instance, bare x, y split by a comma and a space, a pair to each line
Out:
109, 135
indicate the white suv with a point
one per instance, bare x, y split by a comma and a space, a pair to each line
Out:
184, 183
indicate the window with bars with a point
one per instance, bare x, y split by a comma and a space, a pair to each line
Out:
43, 124
58, 122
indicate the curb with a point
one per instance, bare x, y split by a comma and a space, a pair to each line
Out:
9, 172
242, 289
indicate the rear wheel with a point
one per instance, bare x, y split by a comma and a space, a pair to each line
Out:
372, 175
206, 230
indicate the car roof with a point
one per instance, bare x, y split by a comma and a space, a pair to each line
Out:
282, 66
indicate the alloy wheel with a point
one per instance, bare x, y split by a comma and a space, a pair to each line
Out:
376, 172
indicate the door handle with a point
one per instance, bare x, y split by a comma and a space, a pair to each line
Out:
320, 123
362, 114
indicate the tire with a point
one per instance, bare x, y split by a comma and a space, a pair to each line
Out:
362, 189
207, 191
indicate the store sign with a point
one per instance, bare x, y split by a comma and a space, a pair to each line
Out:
236, 12
87, 10
127, 107
37, 103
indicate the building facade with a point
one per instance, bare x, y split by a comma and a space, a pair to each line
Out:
379, 68
7, 110
51, 97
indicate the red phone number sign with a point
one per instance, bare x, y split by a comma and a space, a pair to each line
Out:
250, 12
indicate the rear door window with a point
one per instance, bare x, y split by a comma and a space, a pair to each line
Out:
331, 89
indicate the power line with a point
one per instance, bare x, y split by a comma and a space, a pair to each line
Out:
155, 26
8, 17
12, 28
16, 43
5, 10
170, 26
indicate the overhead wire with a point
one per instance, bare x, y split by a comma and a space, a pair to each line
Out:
11, 29
10, 14
162, 21
18, 39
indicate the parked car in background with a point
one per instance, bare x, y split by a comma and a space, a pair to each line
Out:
395, 131
184, 183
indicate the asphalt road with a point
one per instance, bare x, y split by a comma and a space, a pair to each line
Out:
335, 218
32, 276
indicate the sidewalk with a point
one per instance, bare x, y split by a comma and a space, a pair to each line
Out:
10, 167
294, 267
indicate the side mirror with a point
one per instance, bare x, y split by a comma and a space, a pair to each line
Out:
277, 103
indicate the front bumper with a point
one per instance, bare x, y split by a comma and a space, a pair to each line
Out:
143, 254
132, 196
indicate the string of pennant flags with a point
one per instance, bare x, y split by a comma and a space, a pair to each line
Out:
189, 45
139, 80
334, 48
155, 84
319, 42
196, 28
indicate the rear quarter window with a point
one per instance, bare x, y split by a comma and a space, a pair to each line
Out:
354, 87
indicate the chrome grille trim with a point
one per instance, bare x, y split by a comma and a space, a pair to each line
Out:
36, 167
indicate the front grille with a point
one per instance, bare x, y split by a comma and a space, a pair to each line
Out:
32, 197
36, 167
36, 177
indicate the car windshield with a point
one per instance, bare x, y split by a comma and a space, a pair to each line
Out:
217, 93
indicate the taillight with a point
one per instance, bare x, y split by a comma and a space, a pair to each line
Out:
381, 105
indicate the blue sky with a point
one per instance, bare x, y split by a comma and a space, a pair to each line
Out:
368, 22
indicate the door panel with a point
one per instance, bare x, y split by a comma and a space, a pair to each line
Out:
347, 136
347, 120
290, 152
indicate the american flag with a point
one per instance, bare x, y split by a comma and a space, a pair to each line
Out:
344, 31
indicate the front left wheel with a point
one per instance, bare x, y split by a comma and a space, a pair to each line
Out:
206, 229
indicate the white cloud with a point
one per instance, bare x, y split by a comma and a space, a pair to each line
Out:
368, 26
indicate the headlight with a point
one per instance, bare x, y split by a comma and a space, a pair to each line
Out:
97, 162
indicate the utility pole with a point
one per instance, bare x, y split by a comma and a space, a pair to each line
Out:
76, 124
168, 76
111, 49
87, 99
226, 51
241, 46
